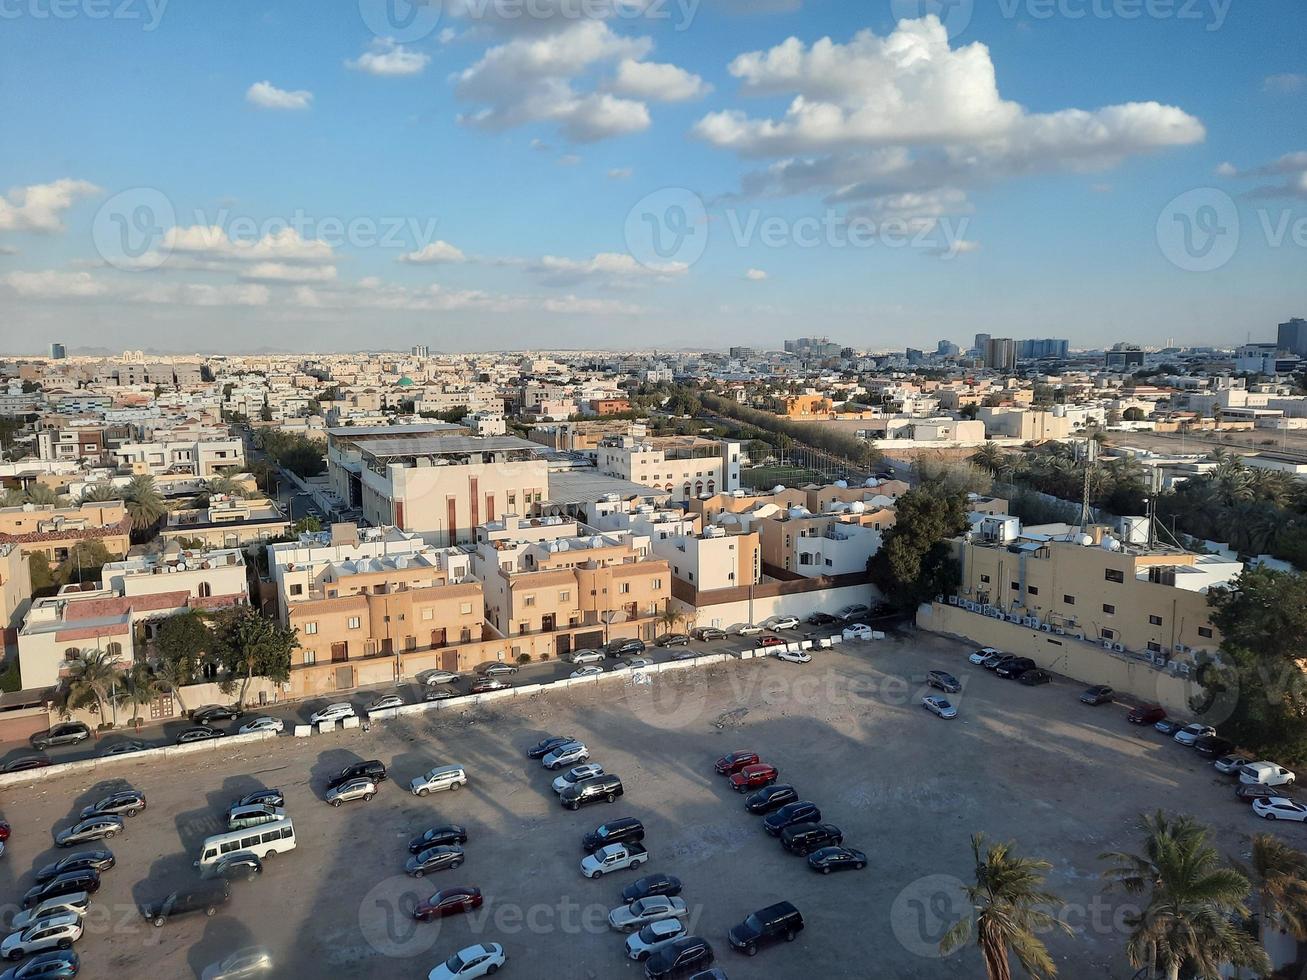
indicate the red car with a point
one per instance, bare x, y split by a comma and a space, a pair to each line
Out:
448, 901
4, 830
752, 777
771, 641
734, 762
1146, 714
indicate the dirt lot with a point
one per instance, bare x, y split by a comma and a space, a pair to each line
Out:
1063, 780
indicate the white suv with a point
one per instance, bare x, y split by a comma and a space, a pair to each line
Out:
332, 712
53, 932
442, 777
566, 755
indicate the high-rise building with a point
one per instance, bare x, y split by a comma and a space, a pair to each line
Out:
1125, 356
58, 352
1000, 353
1293, 336
946, 348
982, 342
1047, 348
421, 350
743, 353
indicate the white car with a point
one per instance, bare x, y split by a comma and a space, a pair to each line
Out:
332, 712
566, 755
264, 724
980, 656
857, 632
785, 623
389, 701
1266, 774
75, 904
472, 961
794, 656
356, 789
939, 706
576, 774
653, 937
1192, 733
58, 931
746, 629
636, 663
645, 910
441, 677
592, 670
1280, 808
583, 657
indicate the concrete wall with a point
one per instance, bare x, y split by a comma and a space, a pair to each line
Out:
1078, 659
801, 604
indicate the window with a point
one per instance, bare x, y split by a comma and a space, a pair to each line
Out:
564, 596
271, 836
624, 588
1109, 609
465, 608
1154, 647
1107, 634
1154, 620
1033, 590
427, 613
1016, 586
528, 600
1114, 575
310, 629
310, 657
658, 584
1069, 600
297, 590
72, 653
205, 590
353, 623
1205, 632
985, 579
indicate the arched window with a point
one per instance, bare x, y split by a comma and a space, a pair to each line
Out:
712, 486
698, 488
114, 650
205, 590
686, 491
72, 653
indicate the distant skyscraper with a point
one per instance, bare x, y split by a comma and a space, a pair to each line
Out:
1001, 354
742, 353
421, 350
1038, 349
1293, 336
58, 352
946, 348
982, 342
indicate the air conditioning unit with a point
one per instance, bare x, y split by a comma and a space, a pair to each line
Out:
1181, 648
952, 600
1183, 670
1044, 627
1119, 647
1149, 657
1013, 618
1107, 644
1173, 668
939, 598
1060, 631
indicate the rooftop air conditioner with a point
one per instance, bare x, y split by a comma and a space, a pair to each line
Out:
1047, 629
952, 600
1183, 670
1107, 644
1119, 647
1181, 648
1060, 631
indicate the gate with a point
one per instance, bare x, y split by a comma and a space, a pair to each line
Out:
161, 707
449, 660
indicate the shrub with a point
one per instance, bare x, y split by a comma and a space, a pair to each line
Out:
524, 658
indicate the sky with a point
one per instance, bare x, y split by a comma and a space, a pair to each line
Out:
511, 174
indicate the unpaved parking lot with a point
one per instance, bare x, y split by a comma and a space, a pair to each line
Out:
1063, 780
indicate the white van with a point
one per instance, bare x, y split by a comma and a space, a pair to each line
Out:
265, 840
1266, 774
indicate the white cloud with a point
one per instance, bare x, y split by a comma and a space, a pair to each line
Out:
1289, 171
613, 268
52, 284
265, 95
388, 59
211, 242
953, 249
1226, 169
1285, 84
755, 275
569, 160
620, 173
657, 82
56, 285
39, 207
286, 272
8, 250
435, 253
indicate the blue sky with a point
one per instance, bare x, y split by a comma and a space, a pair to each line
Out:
303, 175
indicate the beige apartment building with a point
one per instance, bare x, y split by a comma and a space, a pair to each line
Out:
813, 545
55, 531
15, 590
228, 522
684, 466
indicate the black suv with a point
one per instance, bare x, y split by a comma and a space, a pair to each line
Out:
706, 633
822, 619
372, 769
804, 811
775, 922
672, 640
771, 798
68, 733
204, 896
620, 648
804, 838
621, 831
86, 880
596, 789
1014, 667
678, 959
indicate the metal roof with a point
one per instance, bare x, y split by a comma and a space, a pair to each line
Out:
440, 445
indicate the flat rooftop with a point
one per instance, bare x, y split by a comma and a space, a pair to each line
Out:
587, 487
453, 445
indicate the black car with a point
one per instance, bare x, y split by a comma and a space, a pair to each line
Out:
24, 763
244, 865
434, 859
372, 769
771, 798
452, 834
998, 660
268, 797
822, 619
67, 733
596, 789
1098, 694
127, 803
1213, 745
803, 811
85, 880
679, 958
1033, 678
708, 633
804, 838
98, 861
210, 713
1014, 668
672, 640
943, 680
620, 831
769, 925
620, 648
199, 734
1257, 791
653, 884
547, 745
203, 896
828, 859
57, 964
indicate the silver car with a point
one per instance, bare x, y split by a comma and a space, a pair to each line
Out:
566, 755
76, 903
642, 911
355, 789
244, 964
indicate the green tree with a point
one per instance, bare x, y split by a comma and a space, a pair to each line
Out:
1194, 902
180, 646
41, 495
1009, 911
83, 564
249, 645
99, 493
38, 566
914, 561
1133, 414
671, 618
89, 682
1279, 876
988, 457
140, 687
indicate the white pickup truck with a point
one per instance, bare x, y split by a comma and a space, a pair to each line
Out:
614, 857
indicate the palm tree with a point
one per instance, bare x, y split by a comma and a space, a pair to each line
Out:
223, 485
172, 676
144, 502
1279, 876
40, 494
141, 687
1007, 913
1195, 902
671, 618
989, 457
99, 493
90, 680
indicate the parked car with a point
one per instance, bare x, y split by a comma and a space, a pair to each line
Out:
582, 657
850, 613
804, 838
771, 641
58, 931
92, 828
333, 712
373, 769
272, 797
123, 748
980, 656
1231, 764
210, 713
622, 648
199, 733
26, 762
620, 831
66, 733
613, 857
1014, 668
254, 815
1168, 726
822, 619
1280, 808
770, 798
1255, 791
245, 865
745, 629
591, 670
262, 724
651, 884
99, 861
76, 902
1266, 774
794, 656
448, 901
442, 857
124, 803
642, 911
1099, 694
4, 831
1190, 734
387, 702
436, 836
754, 776
72, 883
576, 774
352, 789
496, 669
673, 640
944, 681
56, 964
203, 896
939, 706
439, 694
857, 632
735, 761
247, 963
679, 958
1213, 746
769, 925
802, 811
1034, 677
472, 961
828, 859
440, 677
1146, 714
784, 623
485, 685
652, 937
596, 789
635, 663
546, 745
706, 634
992, 662
566, 755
